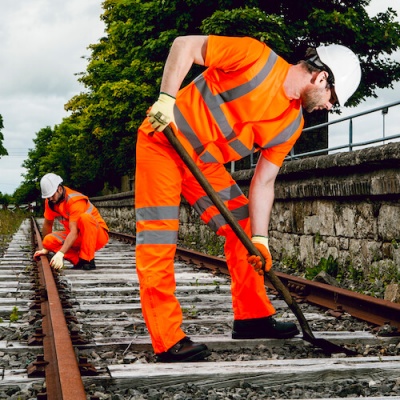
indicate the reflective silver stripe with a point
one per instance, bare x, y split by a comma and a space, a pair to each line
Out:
157, 237
207, 157
90, 209
236, 145
247, 87
241, 213
60, 219
60, 238
228, 193
158, 213
77, 194
287, 133
74, 195
187, 130
202, 204
214, 102
219, 221
216, 222
240, 148
243, 151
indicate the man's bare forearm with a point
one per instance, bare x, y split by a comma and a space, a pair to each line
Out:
185, 51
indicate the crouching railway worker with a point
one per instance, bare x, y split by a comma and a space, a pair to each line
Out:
85, 230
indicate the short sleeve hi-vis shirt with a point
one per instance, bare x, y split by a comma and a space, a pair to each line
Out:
71, 208
238, 105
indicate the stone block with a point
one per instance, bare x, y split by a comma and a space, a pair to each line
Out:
389, 222
392, 293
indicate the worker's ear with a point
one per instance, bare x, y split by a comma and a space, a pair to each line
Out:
321, 79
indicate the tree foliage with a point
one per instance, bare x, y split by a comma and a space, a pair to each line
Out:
5, 200
95, 145
3, 151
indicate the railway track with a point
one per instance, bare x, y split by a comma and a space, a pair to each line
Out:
98, 347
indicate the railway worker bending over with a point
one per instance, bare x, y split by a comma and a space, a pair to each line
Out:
85, 230
248, 99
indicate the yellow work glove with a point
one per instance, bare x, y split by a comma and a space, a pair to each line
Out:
57, 262
162, 112
40, 253
261, 243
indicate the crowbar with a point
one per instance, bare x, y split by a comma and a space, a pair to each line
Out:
327, 346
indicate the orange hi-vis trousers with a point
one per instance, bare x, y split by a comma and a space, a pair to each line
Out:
161, 178
91, 237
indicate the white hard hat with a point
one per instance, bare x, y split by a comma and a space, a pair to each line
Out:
49, 184
345, 67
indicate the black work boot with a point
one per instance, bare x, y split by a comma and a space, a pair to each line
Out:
84, 264
183, 351
263, 328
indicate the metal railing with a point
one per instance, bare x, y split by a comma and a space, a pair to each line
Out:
350, 145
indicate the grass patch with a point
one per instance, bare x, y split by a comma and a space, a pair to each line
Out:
329, 265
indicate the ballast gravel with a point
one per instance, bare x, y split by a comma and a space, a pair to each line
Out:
341, 388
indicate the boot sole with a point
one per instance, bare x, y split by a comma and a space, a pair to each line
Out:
285, 335
201, 355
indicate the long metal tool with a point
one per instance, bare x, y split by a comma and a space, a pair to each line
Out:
327, 346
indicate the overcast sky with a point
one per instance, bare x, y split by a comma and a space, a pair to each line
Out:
42, 45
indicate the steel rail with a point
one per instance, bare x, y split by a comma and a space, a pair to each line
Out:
366, 308
63, 377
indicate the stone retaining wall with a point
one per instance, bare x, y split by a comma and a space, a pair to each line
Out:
346, 205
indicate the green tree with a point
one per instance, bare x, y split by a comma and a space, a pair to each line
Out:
81, 166
5, 200
37, 164
3, 151
27, 192
34, 164
63, 150
312, 23
97, 142
124, 71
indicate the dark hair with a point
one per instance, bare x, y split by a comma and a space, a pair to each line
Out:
310, 52
314, 64
308, 67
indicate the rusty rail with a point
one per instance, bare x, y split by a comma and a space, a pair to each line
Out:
63, 378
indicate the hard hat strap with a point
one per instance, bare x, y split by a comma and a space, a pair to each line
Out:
317, 63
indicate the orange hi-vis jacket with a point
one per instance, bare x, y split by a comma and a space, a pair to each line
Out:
92, 229
238, 105
71, 208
